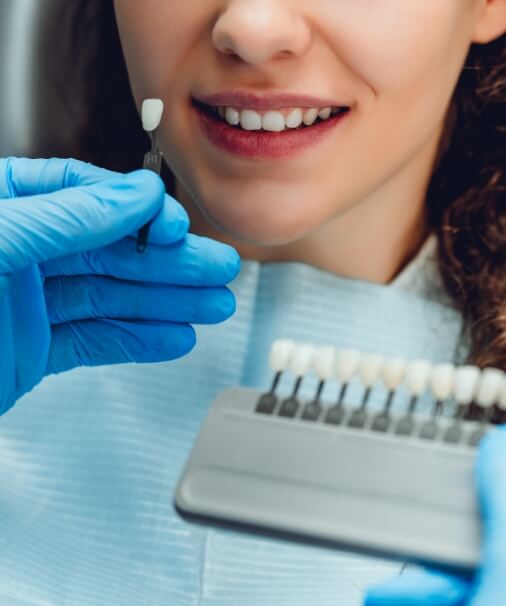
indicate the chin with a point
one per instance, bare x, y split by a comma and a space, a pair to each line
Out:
261, 224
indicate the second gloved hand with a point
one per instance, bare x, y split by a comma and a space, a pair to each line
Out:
488, 586
73, 290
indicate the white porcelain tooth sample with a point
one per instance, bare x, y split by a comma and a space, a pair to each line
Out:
251, 120
347, 363
502, 395
466, 383
301, 359
310, 116
151, 112
281, 352
294, 118
324, 114
273, 122
232, 116
489, 387
417, 376
370, 368
442, 381
324, 362
393, 372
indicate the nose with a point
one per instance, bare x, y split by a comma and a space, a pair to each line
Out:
257, 31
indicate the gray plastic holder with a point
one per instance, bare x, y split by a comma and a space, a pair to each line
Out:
378, 493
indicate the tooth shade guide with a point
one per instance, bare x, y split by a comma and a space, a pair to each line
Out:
375, 373
324, 362
280, 354
466, 383
370, 369
152, 112
301, 359
489, 387
347, 364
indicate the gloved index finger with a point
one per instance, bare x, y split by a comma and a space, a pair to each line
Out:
29, 177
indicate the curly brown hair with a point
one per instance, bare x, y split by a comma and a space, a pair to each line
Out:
466, 198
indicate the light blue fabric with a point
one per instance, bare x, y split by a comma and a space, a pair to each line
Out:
90, 459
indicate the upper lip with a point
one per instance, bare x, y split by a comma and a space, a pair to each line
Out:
247, 100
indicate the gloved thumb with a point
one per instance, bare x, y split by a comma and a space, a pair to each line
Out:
491, 480
41, 227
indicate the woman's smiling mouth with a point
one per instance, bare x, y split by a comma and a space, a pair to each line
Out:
261, 127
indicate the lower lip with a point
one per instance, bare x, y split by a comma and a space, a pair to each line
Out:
262, 144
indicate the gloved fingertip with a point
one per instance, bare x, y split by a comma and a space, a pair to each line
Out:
232, 263
171, 224
230, 304
220, 306
181, 343
420, 589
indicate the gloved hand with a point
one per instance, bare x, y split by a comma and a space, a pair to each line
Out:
488, 586
73, 289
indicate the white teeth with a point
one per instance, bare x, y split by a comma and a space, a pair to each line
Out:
442, 381
301, 358
325, 113
466, 382
250, 120
325, 362
273, 122
418, 374
294, 118
232, 116
489, 387
310, 116
281, 352
393, 372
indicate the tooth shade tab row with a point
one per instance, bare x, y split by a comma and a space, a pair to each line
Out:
275, 120
466, 384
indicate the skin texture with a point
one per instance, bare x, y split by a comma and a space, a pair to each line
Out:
353, 204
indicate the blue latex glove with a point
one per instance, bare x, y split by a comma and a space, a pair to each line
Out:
488, 586
73, 289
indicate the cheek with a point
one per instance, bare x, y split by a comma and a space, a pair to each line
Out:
156, 36
404, 53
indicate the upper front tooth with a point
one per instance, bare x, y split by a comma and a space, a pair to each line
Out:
232, 116
310, 116
251, 120
273, 121
294, 118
